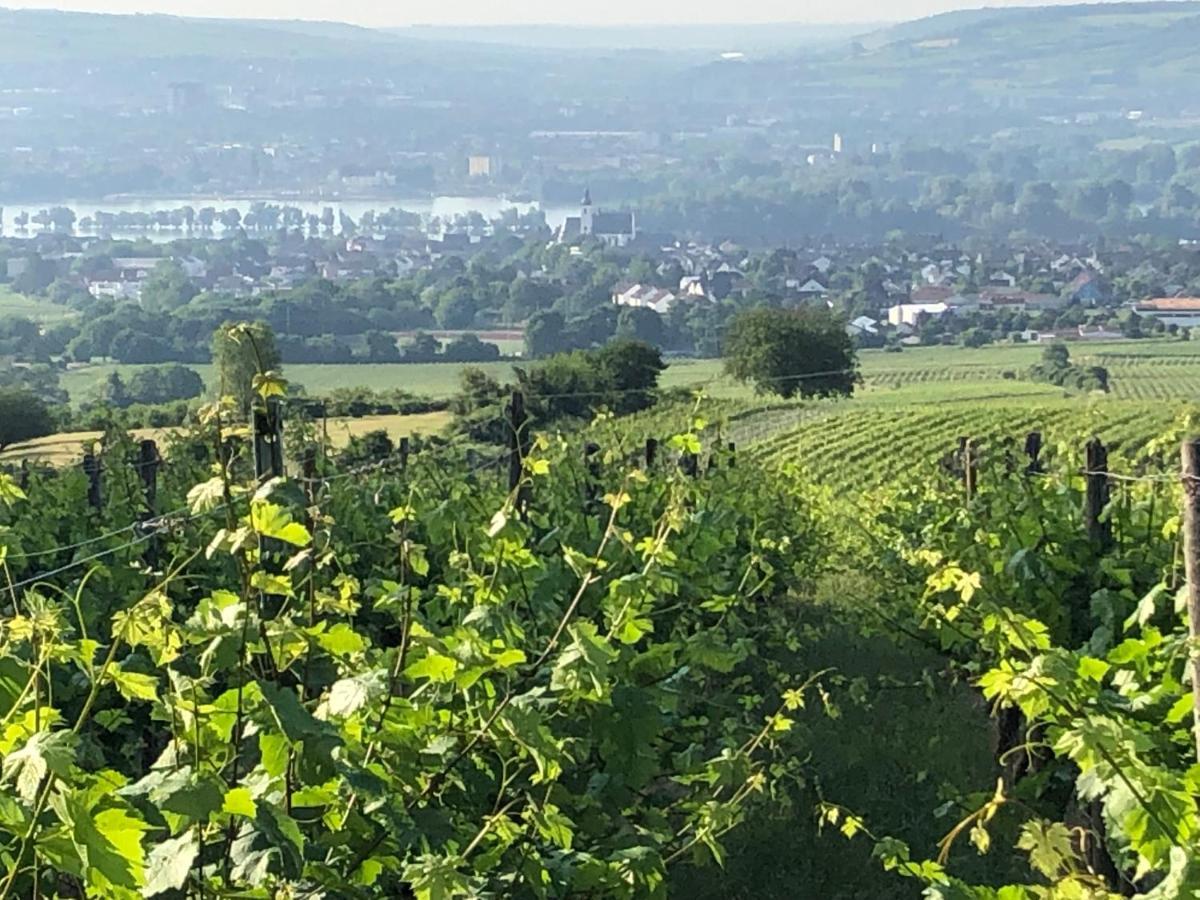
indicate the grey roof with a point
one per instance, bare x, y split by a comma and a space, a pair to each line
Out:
612, 223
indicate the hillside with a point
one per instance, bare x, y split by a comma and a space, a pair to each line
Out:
1122, 50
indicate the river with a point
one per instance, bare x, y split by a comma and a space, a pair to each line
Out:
442, 207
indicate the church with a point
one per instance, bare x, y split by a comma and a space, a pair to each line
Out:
616, 229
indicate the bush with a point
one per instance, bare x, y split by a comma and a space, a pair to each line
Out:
789, 352
23, 416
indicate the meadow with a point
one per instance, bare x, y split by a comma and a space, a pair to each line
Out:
36, 308
1141, 370
910, 409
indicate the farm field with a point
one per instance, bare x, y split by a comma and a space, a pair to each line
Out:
865, 445
66, 448
36, 308
1141, 370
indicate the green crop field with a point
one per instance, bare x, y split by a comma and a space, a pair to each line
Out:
865, 445
36, 308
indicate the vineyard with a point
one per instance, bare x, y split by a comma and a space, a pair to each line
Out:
892, 445
666, 654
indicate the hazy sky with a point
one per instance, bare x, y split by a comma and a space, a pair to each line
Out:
494, 12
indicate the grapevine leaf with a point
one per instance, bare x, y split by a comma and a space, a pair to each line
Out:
347, 697
44, 752
109, 843
238, 802
194, 796
272, 521
1181, 709
435, 667
341, 640
169, 863
293, 719
134, 685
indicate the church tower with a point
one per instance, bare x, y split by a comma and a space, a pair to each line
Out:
586, 213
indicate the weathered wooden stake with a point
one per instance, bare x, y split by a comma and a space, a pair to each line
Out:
1033, 449
1096, 497
268, 440
404, 445
91, 468
651, 452
148, 463
1191, 555
689, 464
967, 452
731, 448
591, 475
518, 449
147, 466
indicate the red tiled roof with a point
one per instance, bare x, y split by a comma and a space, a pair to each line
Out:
1171, 304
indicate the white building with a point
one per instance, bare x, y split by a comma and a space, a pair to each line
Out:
115, 290
1181, 311
645, 296
616, 229
911, 313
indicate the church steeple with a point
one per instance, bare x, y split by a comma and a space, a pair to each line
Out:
586, 214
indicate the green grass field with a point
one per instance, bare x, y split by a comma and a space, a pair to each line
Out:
1141, 370
36, 308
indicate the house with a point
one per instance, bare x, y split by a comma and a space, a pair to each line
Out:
1085, 288
135, 268
449, 242
193, 267
692, 286
1019, 301
822, 264
911, 314
1098, 333
16, 268
644, 296
1181, 311
1003, 279
616, 229
863, 325
115, 290
930, 293
812, 288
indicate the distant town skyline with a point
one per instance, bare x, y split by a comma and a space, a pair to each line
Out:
534, 12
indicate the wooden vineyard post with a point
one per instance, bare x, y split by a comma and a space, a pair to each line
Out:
591, 476
518, 448
651, 452
268, 441
404, 448
1191, 555
1096, 496
731, 449
966, 451
91, 468
1033, 449
147, 466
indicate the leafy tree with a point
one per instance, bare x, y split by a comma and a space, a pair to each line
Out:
455, 308
23, 416
381, 347
639, 324
804, 352
239, 351
545, 333
164, 384
423, 348
168, 287
469, 348
631, 370
114, 392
